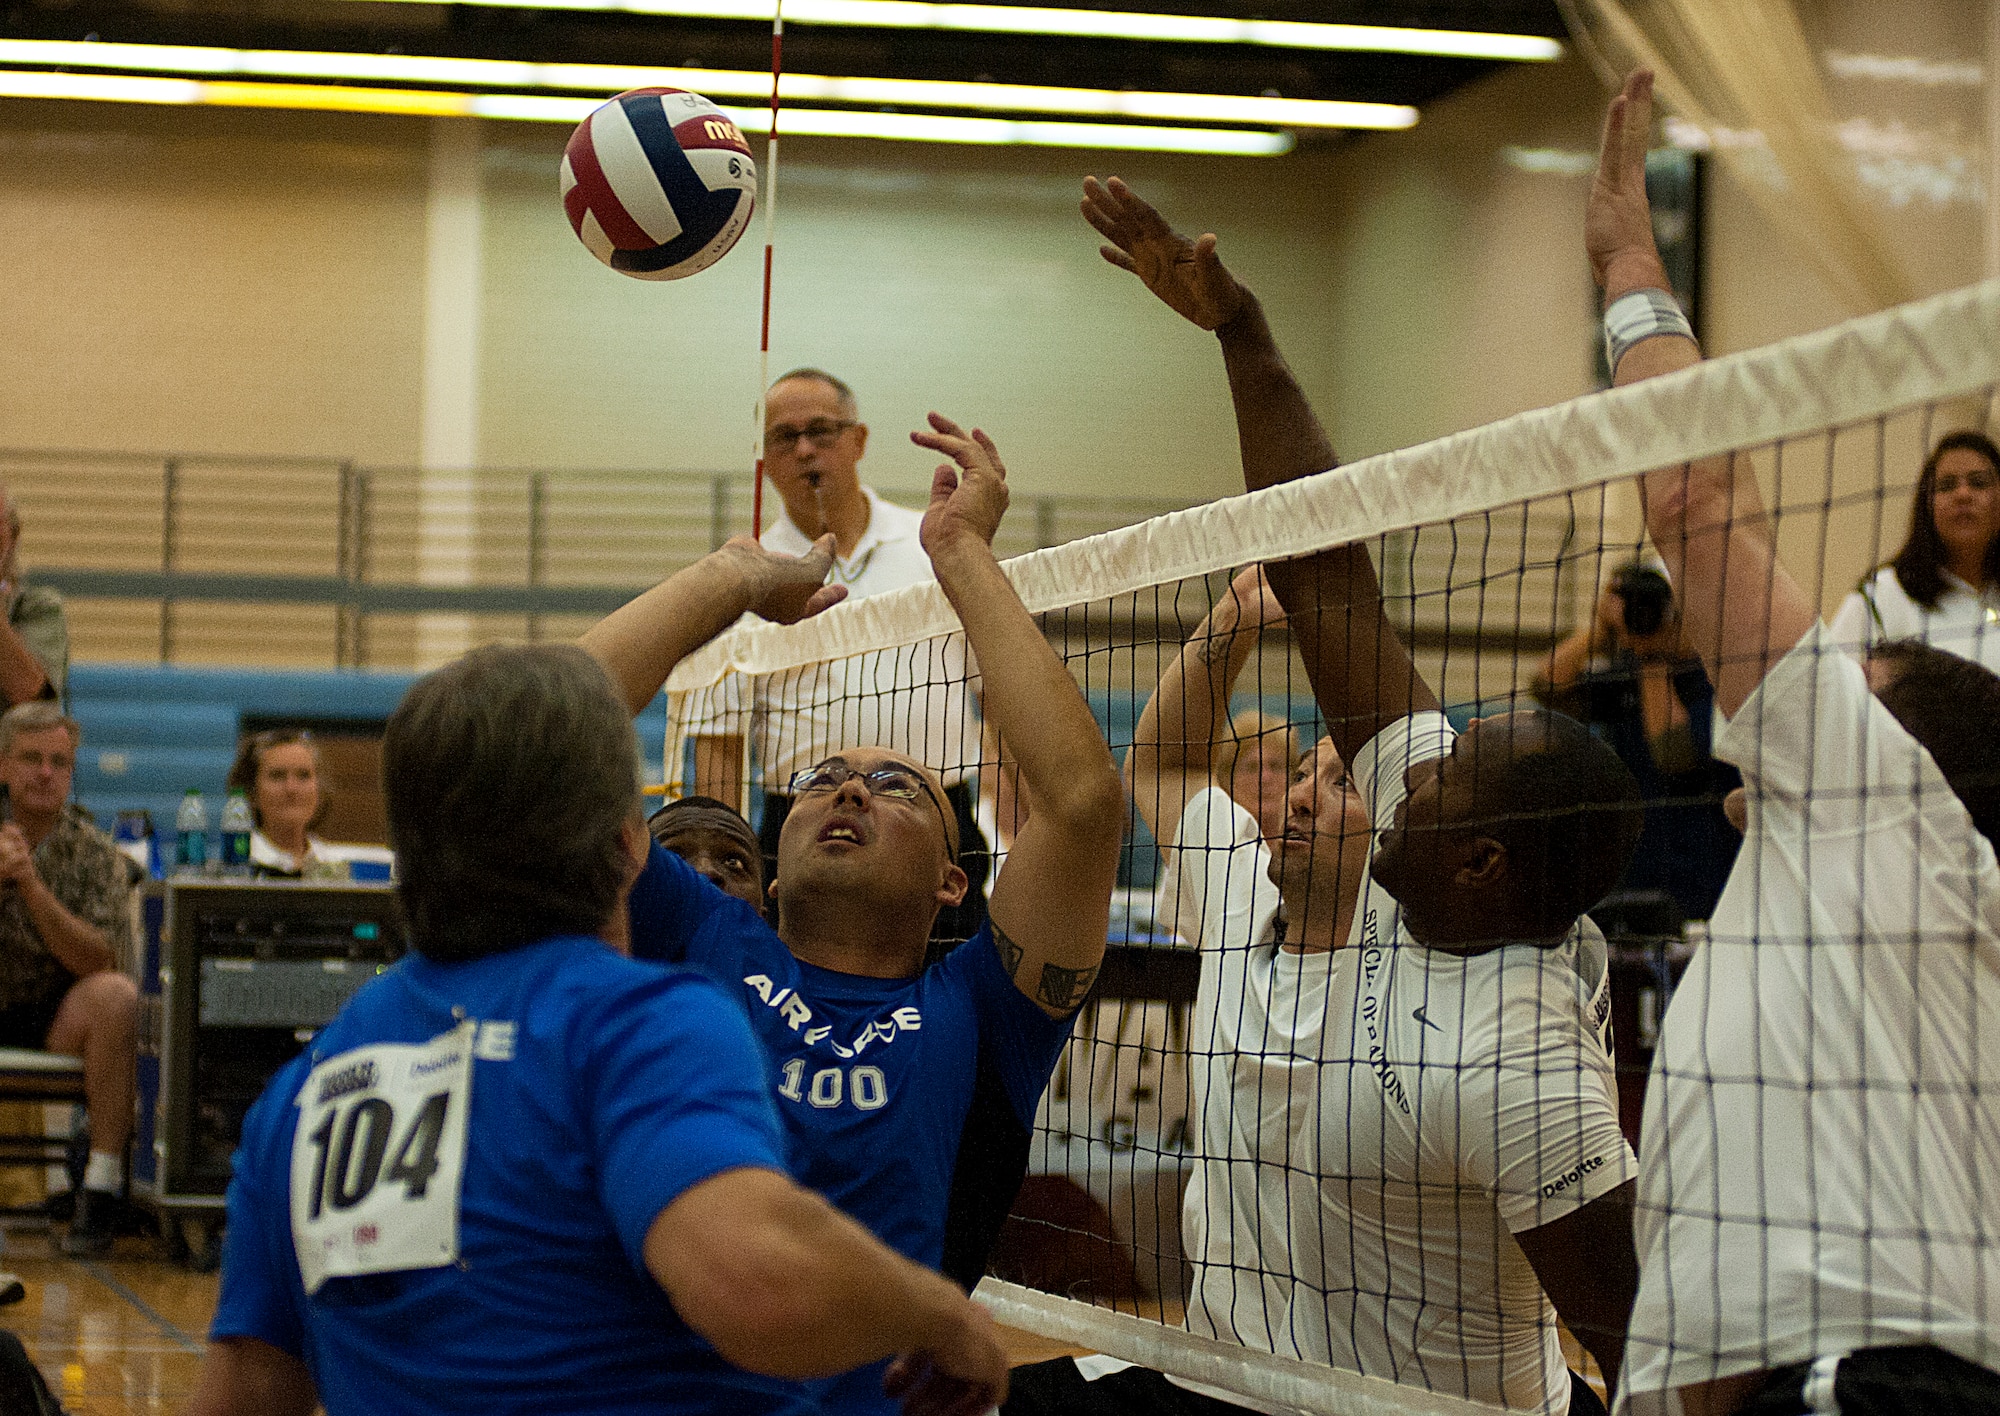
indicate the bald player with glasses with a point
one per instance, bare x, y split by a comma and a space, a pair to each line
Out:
919, 700
908, 1091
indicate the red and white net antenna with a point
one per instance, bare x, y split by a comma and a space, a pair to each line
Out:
770, 225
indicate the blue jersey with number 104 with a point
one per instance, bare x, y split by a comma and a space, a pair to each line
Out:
875, 1079
487, 1256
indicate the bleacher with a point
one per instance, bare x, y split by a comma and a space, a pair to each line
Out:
151, 731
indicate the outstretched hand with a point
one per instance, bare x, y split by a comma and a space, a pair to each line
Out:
967, 500
786, 589
1187, 275
963, 1374
1618, 220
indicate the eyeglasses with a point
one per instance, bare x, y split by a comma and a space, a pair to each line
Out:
821, 433
896, 783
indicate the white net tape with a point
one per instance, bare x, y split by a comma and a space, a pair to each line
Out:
1260, 1376
1941, 348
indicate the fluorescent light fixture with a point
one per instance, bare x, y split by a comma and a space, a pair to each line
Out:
816, 122
1095, 24
605, 79
932, 128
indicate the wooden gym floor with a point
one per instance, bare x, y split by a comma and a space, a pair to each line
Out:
123, 1336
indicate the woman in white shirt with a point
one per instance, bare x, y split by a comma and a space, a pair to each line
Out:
1943, 586
279, 771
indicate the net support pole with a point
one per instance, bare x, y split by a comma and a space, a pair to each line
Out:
770, 232
1264, 1376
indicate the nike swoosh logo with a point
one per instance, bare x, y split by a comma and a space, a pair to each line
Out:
1418, 1014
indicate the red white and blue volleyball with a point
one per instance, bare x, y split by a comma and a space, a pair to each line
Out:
658, 183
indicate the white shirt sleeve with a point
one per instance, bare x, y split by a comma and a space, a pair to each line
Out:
1223, 870
1537, 1125
1812, 726
1854, 627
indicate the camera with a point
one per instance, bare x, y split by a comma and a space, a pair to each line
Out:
1647, 596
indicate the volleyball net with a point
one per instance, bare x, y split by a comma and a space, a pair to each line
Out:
1287, 1182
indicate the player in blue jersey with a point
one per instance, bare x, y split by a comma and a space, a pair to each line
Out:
908, 1093
521, 1173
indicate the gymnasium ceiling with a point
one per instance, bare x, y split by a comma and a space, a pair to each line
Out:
513, 31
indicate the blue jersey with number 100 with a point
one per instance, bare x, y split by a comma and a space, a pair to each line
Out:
876, 1079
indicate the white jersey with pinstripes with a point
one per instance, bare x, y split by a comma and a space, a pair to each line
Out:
1471, 1100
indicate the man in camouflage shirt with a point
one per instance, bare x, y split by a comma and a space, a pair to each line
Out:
65, 926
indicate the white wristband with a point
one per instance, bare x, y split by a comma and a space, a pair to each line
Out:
1637, 315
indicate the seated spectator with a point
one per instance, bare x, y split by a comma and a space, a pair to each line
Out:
1629, 672
1943, 586
65, 925
717, 842
34, 636
279, 771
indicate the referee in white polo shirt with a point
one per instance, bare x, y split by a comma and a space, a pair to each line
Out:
917, 699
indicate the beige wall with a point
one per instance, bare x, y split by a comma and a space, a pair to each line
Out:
253, 282
209, 281
928, 277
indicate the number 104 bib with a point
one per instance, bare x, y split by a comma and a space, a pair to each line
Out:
379, 1157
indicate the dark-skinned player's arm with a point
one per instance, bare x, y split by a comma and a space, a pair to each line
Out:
1173, 746
1586, 1261
1051, 904
1589, 1267
1741, 607
1361, 673
642, 640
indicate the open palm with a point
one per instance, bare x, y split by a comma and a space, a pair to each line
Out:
1187, 275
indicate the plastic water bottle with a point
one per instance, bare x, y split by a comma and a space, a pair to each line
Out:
236, 827
191, 834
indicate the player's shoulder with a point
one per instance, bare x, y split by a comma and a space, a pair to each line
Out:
586, 975
1524, 998
974, 982
975, 964
1212, 817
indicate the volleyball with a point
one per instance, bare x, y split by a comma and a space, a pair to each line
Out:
658, 183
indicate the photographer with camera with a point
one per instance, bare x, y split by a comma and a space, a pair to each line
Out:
1630, 672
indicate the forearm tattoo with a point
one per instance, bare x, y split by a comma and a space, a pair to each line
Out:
1211, 648
1065, 988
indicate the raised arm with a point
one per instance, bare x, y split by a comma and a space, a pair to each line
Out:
1741, 608
1361, 673
1174, 743
641, 641
1051, 904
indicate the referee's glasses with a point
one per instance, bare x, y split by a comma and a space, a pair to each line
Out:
896, 783
821, 433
